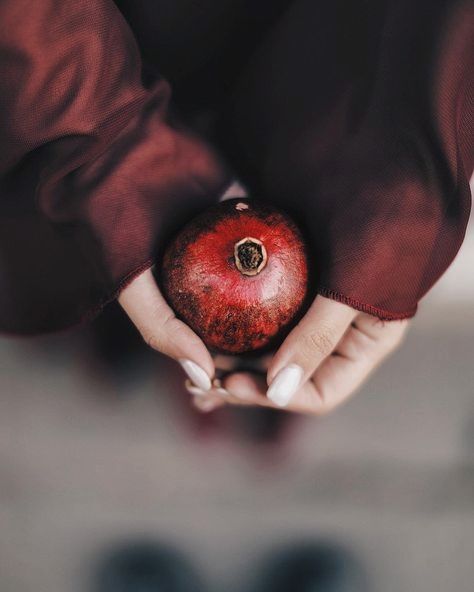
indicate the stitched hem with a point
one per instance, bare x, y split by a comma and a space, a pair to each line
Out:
93, 312
383, 315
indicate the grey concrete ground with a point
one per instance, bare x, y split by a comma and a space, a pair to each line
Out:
87, 458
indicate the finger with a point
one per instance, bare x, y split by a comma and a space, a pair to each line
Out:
247, 388
371, 336
250, 389
359, 353
308, 344
207, 401
217, 390
206, 405
340, 375
161, 330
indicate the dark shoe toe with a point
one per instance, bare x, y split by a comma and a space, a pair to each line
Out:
145, 567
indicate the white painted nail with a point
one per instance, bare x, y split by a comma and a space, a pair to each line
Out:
218, 388
194, 390
196, 374
285, 384
222, 392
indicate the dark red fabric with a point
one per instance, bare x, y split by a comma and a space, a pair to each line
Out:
358, 117
94, 168
354, 115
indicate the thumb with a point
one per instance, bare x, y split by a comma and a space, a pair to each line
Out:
307, 345
161, 330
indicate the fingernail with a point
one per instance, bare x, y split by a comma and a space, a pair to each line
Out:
194, 390
197, 392
285, 384
222, 392
196, 374
218, 388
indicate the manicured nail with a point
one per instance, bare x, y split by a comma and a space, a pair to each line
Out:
222, 392
196, 374
285, 384
194, 390
218, 388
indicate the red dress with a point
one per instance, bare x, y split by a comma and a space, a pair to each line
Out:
356, 116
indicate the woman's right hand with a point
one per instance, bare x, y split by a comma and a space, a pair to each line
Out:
162, 331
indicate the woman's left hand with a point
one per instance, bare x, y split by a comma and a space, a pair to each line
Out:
322, 362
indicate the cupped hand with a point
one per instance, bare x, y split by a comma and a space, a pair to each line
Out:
161, 330
321, 363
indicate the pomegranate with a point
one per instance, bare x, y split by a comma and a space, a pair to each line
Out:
237, 275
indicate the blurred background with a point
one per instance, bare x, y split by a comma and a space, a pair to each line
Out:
98, 445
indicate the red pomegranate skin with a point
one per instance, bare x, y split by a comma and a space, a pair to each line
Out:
236, 311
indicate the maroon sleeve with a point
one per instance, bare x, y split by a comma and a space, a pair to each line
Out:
94, 169
360, 119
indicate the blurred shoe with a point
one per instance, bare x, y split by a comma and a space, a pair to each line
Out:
145, 567
316, 567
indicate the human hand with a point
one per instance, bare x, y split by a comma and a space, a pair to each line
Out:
162, 331
321, 363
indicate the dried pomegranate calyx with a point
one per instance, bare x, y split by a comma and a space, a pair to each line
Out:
250, 256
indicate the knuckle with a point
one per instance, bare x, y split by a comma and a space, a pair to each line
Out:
172, 328
159, 336
318, 343
153, 340
160, 313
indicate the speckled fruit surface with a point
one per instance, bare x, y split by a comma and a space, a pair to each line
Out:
237, 275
